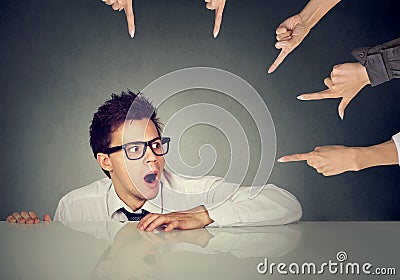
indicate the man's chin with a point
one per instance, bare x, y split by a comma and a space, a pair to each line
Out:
149, 194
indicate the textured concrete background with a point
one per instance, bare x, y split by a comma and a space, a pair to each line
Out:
60, 60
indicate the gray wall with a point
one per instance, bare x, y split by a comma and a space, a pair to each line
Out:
60, 60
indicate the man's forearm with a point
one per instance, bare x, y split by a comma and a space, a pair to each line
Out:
272, 206
315, 10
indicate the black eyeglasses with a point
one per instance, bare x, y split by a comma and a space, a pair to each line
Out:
136, 150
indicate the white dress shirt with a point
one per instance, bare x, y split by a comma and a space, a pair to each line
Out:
396, 139
226, 203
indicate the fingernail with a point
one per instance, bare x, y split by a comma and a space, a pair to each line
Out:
280, 159
300, 97
269, 71
215, 34
341, 115
132, 33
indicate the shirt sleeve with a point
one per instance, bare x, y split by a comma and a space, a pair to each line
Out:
382, 62
272, 206
396, 139
60, 211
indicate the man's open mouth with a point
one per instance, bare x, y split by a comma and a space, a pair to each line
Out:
151, 177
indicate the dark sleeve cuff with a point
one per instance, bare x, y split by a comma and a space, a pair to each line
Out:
376, 69
375, 65
382, 62
360, 54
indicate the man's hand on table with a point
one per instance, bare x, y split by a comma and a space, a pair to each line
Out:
192, 219
26, 217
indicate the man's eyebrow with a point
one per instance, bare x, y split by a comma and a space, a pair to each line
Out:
142, 141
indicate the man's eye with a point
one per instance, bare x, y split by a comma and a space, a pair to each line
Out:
134, 149
156, 145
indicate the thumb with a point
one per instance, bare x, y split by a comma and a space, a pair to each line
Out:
130, 18
342, 106
46, 218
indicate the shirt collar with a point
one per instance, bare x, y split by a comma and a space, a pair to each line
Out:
114, 203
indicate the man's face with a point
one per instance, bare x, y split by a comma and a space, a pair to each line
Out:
131, 177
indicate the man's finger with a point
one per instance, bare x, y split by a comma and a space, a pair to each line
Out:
342, 106
46, 218
32, 214
18, 217
282, 55
280, 29
218, 18
172, 225
11, 219
295, 157
130, 18
146, 221
160, 220
325, 94
28, 219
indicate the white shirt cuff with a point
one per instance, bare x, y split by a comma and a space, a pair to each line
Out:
396, 139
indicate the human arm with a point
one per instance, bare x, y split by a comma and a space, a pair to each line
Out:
345, 81
334, 160
291, 32
218, 6
125, 5
26, 217
191, 219
382, 62
272, 206
227, 204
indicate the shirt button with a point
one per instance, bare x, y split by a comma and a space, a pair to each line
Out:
362, 55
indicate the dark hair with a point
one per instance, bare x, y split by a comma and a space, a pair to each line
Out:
113, 113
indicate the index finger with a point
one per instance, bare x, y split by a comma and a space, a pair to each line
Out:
294, 157
218, 18
146, 221
325, 94
160, 220
282, 55
130, 18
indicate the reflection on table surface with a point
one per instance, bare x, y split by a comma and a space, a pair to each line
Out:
112, 250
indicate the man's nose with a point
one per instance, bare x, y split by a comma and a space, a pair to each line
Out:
150, 156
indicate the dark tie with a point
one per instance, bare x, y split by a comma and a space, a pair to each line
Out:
134, 216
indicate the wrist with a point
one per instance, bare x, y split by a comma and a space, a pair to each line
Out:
381, 154
205, 218
362, 75
361, 158
202, 215
315, 10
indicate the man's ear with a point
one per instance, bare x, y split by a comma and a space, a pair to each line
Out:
104, 161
